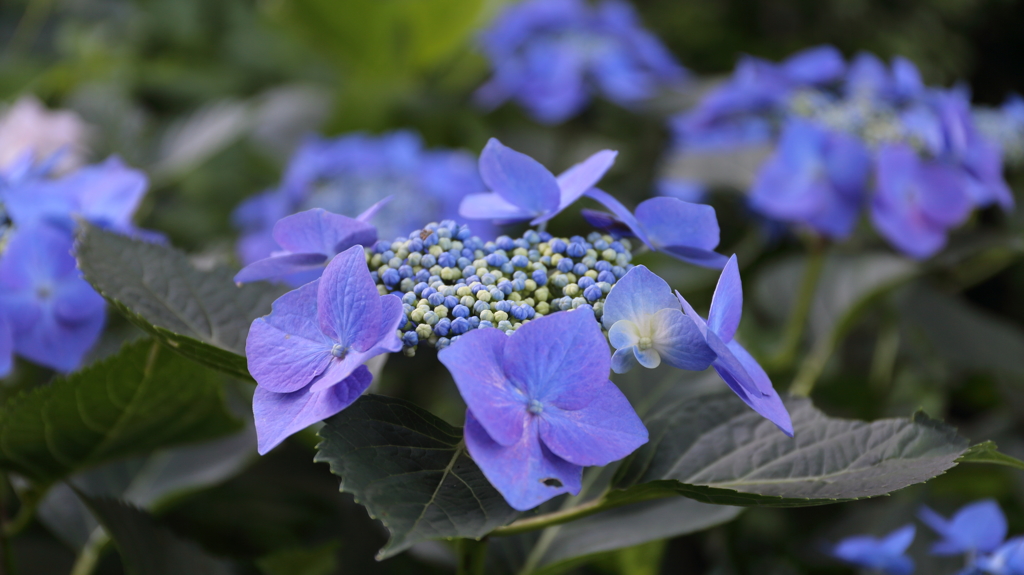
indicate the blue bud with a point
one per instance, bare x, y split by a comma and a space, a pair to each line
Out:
488, 279
422, 276
474, 322
618, 247
520, 312
442, 326
431, 318
520, 261
387, 255
467, 253
473, 278
496, 294
507, 268
576, 250
580, 269
545, 236
451, 301
444, 231
434, 281
565, 303
410, 339
518, 284
418, 288
446, 260
464, 263
464, 233
428, 261
503, 305
600, 245
391, 277
435, 299
415, 245
606, 276
496, 259
505, 243
409, 299
375, 277
521, 243
619, 271
505, 325
460, 311
592, 293
603, 266
577, 239
480, 306
585, 281
564, 265
442, 342
541, 277
460, 326
430, 240
485, 323
557, 246
519, 275
427, 292
405, 271
531, 237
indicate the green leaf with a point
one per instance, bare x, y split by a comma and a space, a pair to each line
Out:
410, 470
988, 452
201, 314
148, 548
716, 450
141, 399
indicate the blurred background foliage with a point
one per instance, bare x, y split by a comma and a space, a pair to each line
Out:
210, 98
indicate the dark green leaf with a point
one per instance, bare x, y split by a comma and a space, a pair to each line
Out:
141, 399
148, 548
201, 314
988, 452
716, 450
410, 470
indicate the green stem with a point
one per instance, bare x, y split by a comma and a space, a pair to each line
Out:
794, 330
89, 557
30, 499
553, 518
472, 556
812, 366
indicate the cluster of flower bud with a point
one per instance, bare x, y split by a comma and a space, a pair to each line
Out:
875, 122
451, 282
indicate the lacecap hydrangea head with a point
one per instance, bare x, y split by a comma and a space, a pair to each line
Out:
452, 282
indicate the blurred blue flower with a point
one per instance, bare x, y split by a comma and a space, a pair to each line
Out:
310, 240
551, 55
1007, 559
680, 229
523, 189
349, 174
646, 325
868, 77
815, 177
6, 344
917, 201
307, 355
885, 554
979, 527
734, 364
540, 406
53, 315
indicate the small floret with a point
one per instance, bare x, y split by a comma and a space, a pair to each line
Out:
979, 527
886, 555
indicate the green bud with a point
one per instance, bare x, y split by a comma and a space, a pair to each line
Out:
555, 258
435, 250
622, 259
514, 296
487, 315
436, 270
463, 291
542, 294
443, 243
414, 259
500, 316
592, 274
382, 290
626, 244
457, 245
441, 311
431, 318
375, 261
423, 331
571, 290
520, 252
591, 253
402, 253
542, 308
468, 301
531, 286
416, 315
395, 262
572, 277
483, 295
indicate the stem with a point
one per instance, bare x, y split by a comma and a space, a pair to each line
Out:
811, 368
472, 556
794, 330
553, 518
89, 557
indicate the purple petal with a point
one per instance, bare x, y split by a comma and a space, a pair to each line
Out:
897, 542
109, 193
678, 341
318, 231
559, 358
604, 431
575, 181
697, 257
519, 179
815, 65
636, 297
727, 303
371, 211
623, 333
340, 368
621, 212
286, 350
277, 267
348, 302
606, 223
979, 527
698, 321
943, 198
526, 473
749, 381
623, 360
476, 362
279, 415
672, 223
490, 207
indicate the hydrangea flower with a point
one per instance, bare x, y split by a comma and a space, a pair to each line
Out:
551, 55
815, 177
105, 195
307, 355
53, 314
886, 554
1007, 559
733, 363
349, 174
310, 240
523, 189
540, 406
6, 344
917, 201
979, 527
686, 231
646, 325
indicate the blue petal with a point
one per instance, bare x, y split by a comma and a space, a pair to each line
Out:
623, 360
476, 362
979, 527
636, 297
279, 415
727, 303
348, 302
277, 267
748, 381
318, 231
696, 256
897, 542
620, 212
371, 211
387, 341
519, 179
606, 223
669, 222
526, 473
286, 349
109, 193
604, 431
559, 358
678, 341
578, 179
491, 207
649, 358
623, 333
885, 555
815, 65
